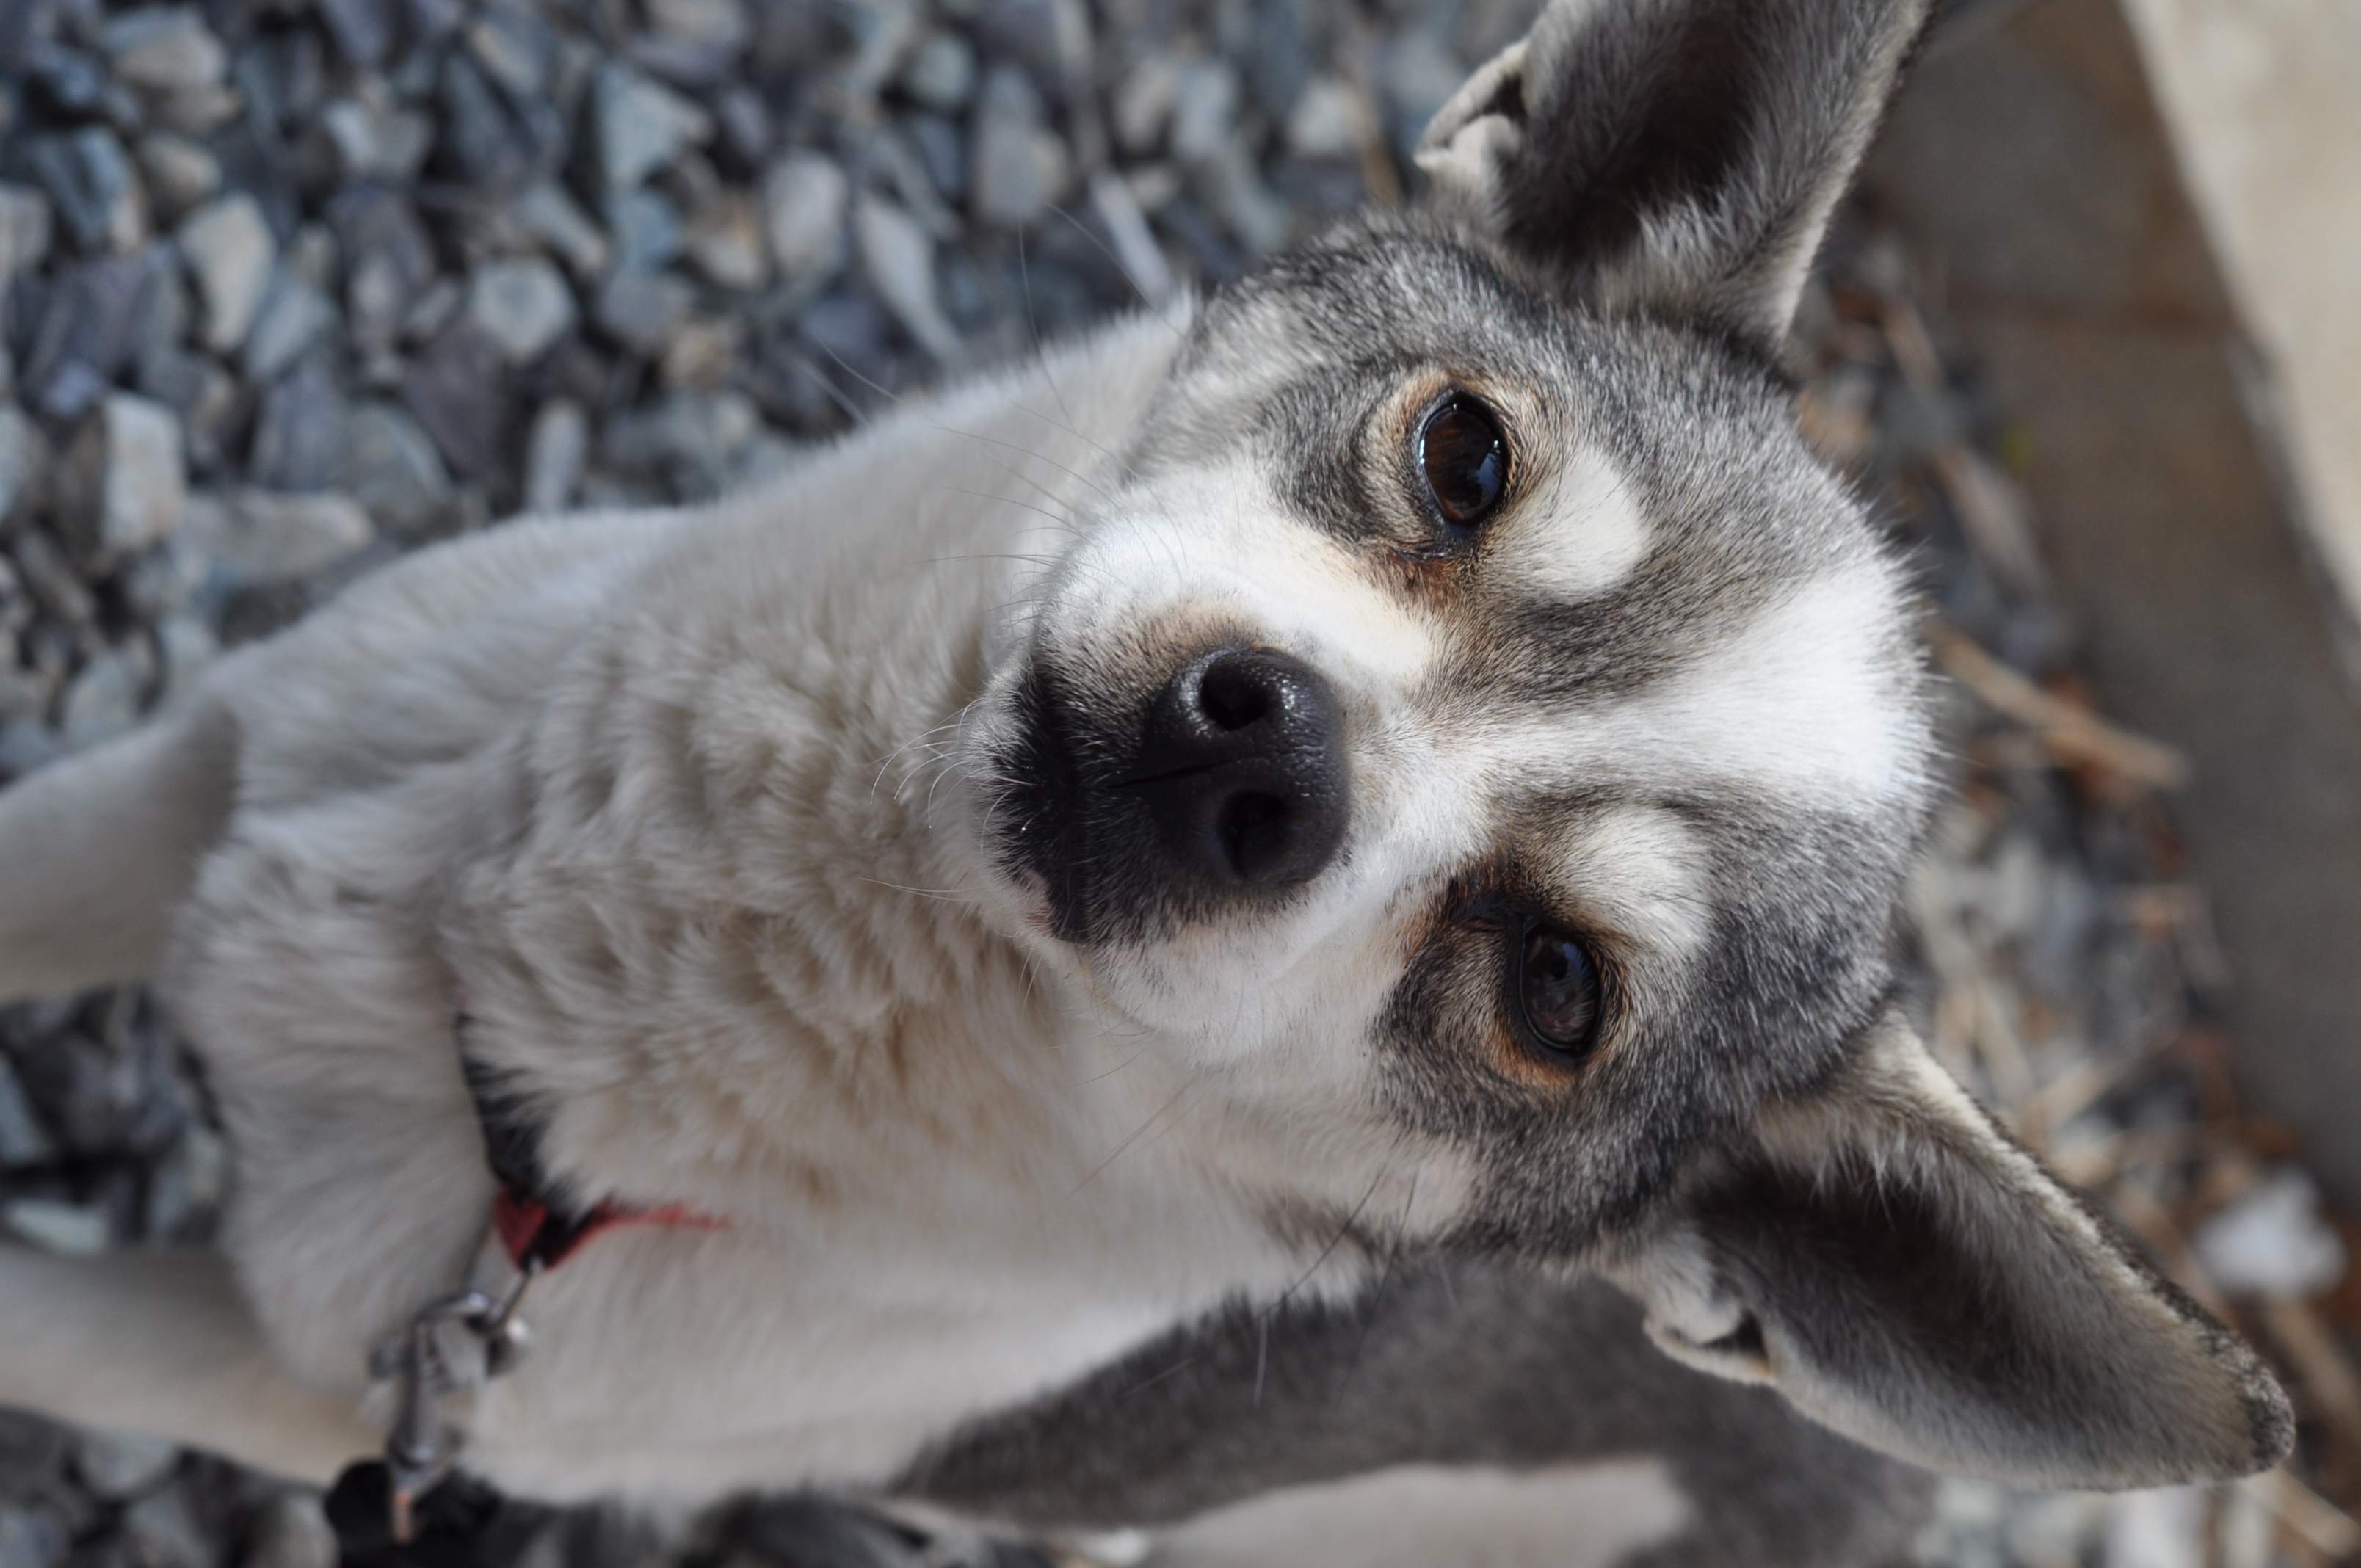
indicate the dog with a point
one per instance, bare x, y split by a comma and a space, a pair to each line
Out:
1217, 931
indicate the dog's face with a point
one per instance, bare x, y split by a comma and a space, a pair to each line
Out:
1489, 708
1472, 720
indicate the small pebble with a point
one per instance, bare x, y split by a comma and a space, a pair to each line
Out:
554, 456
641, 125
71, 1229
123, 479
898, 257
725, 242
165, 50
228, 247
804, 201
162, 1530
294, 314
521, 306
643, 310
24, 1142
24, 231
117, 1467
267, 537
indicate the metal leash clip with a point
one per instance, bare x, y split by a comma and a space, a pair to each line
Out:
422, 1446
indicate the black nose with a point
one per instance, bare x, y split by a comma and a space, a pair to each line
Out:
1242, 769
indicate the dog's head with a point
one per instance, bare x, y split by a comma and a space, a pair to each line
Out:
1474, 718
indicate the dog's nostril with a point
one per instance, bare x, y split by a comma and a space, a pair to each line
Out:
1235, 692
1252, 829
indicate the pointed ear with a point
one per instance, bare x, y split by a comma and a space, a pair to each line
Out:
1681, 156
1905, 1273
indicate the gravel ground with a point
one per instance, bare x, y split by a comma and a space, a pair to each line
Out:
288, 287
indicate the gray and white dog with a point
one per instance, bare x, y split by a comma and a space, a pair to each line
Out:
1161, 1000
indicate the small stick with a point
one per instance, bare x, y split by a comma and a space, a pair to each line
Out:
2070, 731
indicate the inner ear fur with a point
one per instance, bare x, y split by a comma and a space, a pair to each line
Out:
1681, 156
1904, 1272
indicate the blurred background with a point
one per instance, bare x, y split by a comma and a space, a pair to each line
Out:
290, 287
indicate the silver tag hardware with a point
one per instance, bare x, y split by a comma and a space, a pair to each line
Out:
424, 1445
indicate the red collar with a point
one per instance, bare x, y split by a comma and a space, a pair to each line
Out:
530, 1229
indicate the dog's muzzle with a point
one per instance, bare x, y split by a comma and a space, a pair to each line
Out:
1230, 786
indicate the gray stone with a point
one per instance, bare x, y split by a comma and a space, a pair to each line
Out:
293, 1532
521, 306
165, 50
362, 29
162, 1532
1142, 104
704, 353
375, 138
940, 72
646, 230
558, 221
23, 1140
725, 242
55, 587
180, 172
554, 456
1005, 182
642, 311
720, 26
435, 310
229, 250
803, 199
198, 111
898, 257
104, 700
299, 435
1204, 109
188, 1186
294, 314
24, 231
641, 125
16, 608
32, 1450
515, 45
205, 395
90, 178
267, 536
1331, 118
187, 647
23, 463
117, 1466
389, 266
71, 1230
457, 392
122, 481
32, 1536
391, 468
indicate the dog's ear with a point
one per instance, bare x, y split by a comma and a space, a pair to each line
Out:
1908, 1275
1680, 155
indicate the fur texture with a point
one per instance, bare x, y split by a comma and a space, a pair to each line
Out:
796, 860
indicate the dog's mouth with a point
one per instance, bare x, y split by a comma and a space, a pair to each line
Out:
1227, 786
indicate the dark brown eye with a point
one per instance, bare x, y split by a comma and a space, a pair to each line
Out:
1464, 459
1557, 986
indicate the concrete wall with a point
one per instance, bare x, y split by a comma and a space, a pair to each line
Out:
2262, 99
2032, 154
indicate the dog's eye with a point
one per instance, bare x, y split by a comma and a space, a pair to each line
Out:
1557, 986
1464, 459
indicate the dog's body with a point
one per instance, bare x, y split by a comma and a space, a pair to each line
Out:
1408, 768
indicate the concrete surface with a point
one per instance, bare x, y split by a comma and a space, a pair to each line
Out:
2262, 99
2032, 154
